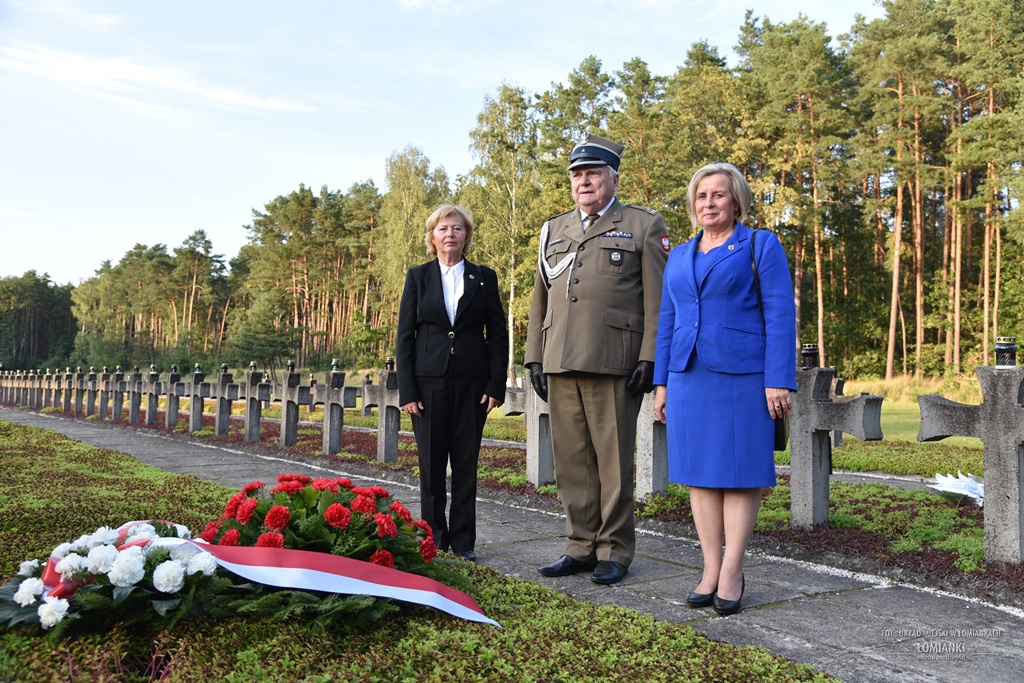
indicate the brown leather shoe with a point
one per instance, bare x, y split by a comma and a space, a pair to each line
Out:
565, 566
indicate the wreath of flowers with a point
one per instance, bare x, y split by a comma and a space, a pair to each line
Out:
129, 575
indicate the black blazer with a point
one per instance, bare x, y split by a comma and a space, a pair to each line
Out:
427, 342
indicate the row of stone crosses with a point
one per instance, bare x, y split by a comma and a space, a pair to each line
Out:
820, 415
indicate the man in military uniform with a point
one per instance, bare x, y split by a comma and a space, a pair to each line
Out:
590, 354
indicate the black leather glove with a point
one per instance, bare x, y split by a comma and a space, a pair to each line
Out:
642, 380
540, 381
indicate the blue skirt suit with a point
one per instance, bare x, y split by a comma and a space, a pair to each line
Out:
715, 356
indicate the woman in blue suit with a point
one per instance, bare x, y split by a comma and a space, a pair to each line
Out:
452, 352
723, 373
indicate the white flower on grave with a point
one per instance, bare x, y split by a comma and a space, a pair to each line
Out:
101, 559
960, 489
202, 562
169, 576
27, 591
60, 551
70, 565
81, 544
183, 552
183, 531
28, 568
52, 611
141, 532
128, 569
103, 536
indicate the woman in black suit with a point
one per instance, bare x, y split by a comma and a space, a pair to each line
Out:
452, 353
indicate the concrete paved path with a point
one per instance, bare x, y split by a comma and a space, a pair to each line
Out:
856, 627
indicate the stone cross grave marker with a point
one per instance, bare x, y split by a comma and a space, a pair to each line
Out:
999, 422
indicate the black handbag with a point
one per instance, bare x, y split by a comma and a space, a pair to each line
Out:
781, 426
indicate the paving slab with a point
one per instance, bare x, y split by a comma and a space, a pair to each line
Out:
857, 627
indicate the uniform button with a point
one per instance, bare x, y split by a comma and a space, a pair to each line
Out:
576, 281
582, 247
627, 324
579, 264
574, 299
451, 335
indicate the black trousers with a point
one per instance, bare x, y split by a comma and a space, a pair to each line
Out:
451, 428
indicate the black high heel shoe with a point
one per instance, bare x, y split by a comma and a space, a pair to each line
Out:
727, 607
700, 599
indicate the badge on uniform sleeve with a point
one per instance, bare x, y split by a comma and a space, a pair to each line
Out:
615, 256
665, 243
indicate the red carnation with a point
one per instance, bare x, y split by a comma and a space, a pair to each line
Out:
246, 509
423, 524
277, 518
337, 515
270, 540
301, 478
321, 484
210, 532
374, 492
386, 526
427, 549
383, 558
365, 505
343, 482
288, 487
251, 487
403, 513
230, 537
232, 505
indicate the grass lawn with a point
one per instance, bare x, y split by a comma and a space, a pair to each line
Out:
53, 489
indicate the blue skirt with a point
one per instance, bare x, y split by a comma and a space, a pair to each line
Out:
720, 434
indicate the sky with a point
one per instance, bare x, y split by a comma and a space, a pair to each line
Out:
128, 122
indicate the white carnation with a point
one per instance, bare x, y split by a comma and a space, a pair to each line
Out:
51, 611
169, 576
60, 551
27, 591
81, 544
103, 536
101, 559
70, 565
183, 552
128, 569
183, 531
28, 568
202, 562
140, 532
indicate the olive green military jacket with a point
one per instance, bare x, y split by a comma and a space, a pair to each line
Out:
597, 311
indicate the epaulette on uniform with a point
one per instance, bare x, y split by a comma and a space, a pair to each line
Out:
643, 208
559, 215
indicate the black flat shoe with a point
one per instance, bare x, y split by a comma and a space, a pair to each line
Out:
700, 599
727, 607
565, 566
466, 555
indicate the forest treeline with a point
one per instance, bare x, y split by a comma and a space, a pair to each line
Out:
888, 161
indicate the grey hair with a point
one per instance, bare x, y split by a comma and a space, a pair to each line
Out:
738, 188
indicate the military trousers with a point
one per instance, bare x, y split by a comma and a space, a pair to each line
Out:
593, 434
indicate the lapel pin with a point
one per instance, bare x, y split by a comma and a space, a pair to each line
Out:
731, 247
472, 277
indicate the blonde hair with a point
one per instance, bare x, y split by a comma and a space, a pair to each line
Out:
442, 212
738, 188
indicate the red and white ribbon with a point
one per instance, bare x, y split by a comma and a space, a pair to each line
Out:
315, 571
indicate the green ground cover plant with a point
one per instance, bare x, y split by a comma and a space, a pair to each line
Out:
53, 488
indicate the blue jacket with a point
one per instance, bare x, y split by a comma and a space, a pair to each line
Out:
720, 316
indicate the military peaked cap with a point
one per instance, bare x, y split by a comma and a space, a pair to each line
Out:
594, 151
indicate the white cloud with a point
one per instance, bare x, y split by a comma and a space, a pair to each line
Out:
126, 77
